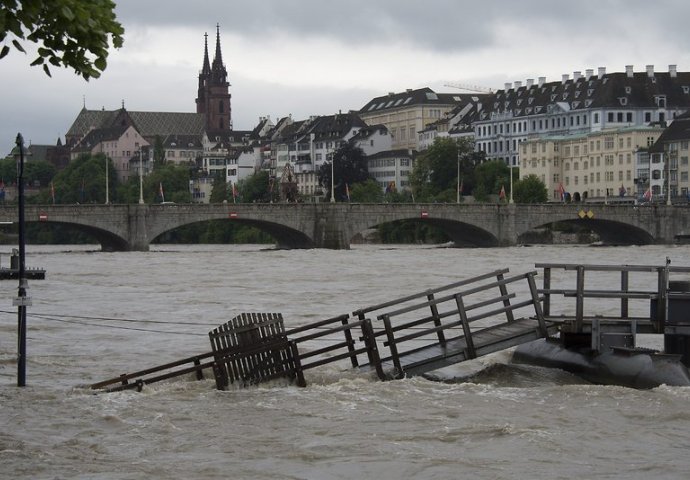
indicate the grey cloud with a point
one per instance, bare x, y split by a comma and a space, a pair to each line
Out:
443, 25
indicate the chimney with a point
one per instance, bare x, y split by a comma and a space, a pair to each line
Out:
588, 73
530, 82
650, 71
518, 85
507, 86
672, 72
601, 72
542, 80
564, 77
629, 71
390, 94
576, 76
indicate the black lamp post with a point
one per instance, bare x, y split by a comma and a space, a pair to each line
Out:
21, 301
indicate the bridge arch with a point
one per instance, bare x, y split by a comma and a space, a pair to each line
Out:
610, 232
284, 236
109, 241
464, 230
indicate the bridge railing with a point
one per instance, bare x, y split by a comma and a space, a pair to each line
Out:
636, 293
412, 324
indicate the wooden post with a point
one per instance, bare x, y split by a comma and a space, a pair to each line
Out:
624, 289
437, 319
580, 298
506, 303
471, 352
392, 346
537, 306
547, 296
350, 342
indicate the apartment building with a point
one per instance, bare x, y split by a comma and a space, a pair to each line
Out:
579, 105
597, 165
668, 162
408, 113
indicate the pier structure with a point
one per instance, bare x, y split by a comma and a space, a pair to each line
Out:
418, 334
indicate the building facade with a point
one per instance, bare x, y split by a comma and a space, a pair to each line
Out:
579, 105
597, 166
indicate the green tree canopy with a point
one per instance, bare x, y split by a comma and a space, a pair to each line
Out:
349, 168
71, 33
489, 178
40, 172
254, 189
172, 179
530, 190
435, 173
366, 192
82, 181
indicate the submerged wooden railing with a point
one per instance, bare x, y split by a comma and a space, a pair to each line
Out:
416, 333
621, 292
425, 331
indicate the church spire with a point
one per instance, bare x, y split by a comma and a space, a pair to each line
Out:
206, 69
218, 58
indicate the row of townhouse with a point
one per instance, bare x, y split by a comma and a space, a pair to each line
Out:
579, 105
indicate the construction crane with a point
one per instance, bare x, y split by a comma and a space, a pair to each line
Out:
469, 88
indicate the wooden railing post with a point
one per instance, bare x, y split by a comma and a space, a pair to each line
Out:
504, 293
580, 298
624, 288
537, 306
350, 343
437, 319
546, 310
392, 346
471, 352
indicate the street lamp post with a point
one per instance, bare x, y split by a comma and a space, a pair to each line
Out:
22, 301
107, 193
510, 200
457, 200
141, 177
332, 182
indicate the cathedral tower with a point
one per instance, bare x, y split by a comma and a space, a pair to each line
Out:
213, 98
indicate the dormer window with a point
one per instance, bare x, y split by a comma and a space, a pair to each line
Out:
686, 89
623, 100
628, 90
553, 97
565, 96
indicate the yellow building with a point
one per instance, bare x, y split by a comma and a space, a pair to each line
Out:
598, 165
408, 113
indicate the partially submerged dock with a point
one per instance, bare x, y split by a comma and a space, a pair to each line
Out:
419, 333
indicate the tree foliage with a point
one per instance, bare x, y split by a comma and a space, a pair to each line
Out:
254, 189
434, 177
82, 181
35, 172
530, 190
69, 33
349, 168
489, 178
172, 179
366, 192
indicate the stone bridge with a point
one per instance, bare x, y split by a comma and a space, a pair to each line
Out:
325, 225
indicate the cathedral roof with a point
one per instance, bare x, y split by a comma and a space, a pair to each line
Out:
148, 124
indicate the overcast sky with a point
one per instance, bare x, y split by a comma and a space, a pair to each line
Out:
315, 57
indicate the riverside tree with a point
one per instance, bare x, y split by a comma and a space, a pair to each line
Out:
435, 173
530, 190
68, 33
349, 168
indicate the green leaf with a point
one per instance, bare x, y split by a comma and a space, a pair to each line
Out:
18, 46
100, 63
5, 51
38, 61
47, 70
67, 13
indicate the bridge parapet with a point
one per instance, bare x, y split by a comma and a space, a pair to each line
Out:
325, 225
